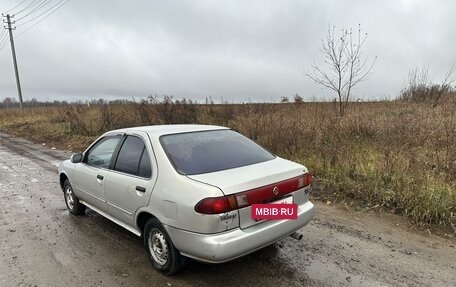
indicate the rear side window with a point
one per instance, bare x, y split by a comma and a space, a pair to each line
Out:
210, 151
133, 158
145, 169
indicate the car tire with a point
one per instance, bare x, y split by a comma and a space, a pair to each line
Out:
71, 200
162, 253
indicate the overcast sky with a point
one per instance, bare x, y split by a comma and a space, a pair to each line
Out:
231, 50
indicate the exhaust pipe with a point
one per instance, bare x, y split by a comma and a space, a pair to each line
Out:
297, 236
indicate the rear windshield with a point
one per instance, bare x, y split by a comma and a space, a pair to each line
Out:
209, 151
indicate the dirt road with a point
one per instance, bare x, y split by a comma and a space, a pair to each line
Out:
42, 245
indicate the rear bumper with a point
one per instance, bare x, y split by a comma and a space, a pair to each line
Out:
222, 247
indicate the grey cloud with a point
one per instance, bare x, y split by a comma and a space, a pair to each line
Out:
238, 50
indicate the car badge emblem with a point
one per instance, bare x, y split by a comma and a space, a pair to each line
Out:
275, 190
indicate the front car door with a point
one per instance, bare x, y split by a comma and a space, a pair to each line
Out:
132, 178
90, 175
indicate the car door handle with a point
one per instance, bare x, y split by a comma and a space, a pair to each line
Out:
100, 177
140, 188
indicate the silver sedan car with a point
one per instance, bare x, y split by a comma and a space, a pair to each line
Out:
188, 191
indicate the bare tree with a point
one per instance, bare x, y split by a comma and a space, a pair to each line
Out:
284, 99
446, 87
298, 99
422, 88
344, 67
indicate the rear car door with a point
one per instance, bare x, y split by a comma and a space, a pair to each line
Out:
132, 178
89, 177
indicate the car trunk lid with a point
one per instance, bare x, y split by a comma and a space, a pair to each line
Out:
256, 183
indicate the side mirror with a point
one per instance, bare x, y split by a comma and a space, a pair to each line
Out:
76, 158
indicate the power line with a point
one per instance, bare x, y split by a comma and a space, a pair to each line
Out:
3, 37
2, 34
36, 9
46, 14
30, 5
3, 45
15, 6
4, 40
42, 19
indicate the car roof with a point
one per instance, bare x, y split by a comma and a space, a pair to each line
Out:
159, 130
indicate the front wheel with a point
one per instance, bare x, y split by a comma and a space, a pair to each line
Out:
71, 200
162, 253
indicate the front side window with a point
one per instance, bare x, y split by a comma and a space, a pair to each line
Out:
100, 154
210, 151
133, 158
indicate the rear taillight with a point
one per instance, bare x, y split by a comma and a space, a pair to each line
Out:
213, 205
307, 179
222, 204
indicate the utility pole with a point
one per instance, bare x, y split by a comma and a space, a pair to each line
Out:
13, 51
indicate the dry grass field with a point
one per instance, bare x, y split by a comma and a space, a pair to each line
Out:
397, 156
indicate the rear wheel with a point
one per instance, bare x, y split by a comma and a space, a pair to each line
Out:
71, 200
162, 253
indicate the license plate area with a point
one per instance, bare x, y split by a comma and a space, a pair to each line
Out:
279, 209
288, 199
